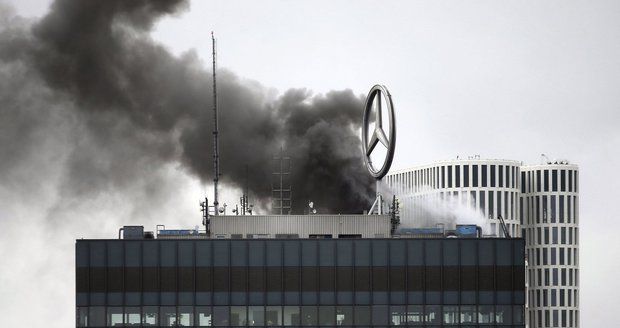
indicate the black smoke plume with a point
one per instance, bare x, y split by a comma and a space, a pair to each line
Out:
139, 107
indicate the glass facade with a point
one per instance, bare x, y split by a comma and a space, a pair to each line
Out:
320, 283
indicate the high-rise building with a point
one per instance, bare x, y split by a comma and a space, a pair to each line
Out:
550, 209
186, 278
459, 191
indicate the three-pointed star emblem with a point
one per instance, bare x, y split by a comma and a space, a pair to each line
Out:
378, 95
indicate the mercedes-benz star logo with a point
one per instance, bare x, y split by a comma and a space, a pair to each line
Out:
373, 102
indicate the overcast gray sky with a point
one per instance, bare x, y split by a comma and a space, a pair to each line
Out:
502, 79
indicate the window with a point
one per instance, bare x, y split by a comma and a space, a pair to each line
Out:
468, 314
443, 177
484, 175
554, 180
115, 316
538, 181
481, 198
465, 175
491, 213
344, 316
291, 316
203, 316
238, 316
457, 176
499, 204
432, 314
309, 316
449, 176
563, 180
553, 209
474, 175
327, 315
561, 209
415, 315
503, 314
362, 315
485, 314
450, 315
379, 314
256, 316
97, 316
576, 181
220, 316
167, 316
546, 180
545, 213
501, 175
132, 316
82, 317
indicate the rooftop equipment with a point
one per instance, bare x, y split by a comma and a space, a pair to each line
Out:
503, 225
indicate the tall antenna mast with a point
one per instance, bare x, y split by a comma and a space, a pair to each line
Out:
216, 154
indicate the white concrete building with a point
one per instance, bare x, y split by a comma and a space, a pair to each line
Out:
550, 207
463, 191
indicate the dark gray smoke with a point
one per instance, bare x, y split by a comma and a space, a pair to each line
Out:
137, 107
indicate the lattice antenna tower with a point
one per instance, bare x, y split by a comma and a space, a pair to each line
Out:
281, 191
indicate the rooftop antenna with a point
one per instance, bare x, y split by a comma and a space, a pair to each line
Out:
543, 157
245, 206
216, 154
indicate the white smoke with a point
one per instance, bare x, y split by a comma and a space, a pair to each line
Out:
448, 210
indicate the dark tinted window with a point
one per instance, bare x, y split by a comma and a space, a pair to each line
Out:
501, 176
443, 177
474, 175
465, 175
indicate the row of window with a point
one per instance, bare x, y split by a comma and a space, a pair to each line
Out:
295, 279
327, 316
553, 256
563, 180
552, 236
455, 176
549, 209
554, 297
554, 277
554, 318
298, 253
